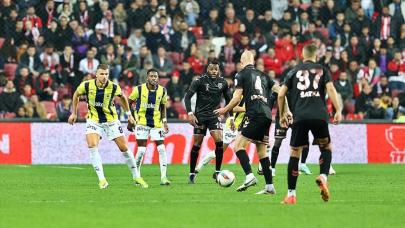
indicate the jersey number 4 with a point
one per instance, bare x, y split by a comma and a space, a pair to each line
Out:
304, 80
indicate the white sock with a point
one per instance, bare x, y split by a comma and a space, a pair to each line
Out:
291, 192
138, 158
325, 177
130, 160
97, 163
250, 176
206, 160
260, 167
269, 186
302, 164
162, 160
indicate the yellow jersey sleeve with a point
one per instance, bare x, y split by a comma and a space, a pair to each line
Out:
164, 98
81, 89
118, 92
134, 94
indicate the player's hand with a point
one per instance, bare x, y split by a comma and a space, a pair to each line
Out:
284, 122
338, 118
131, 120
220, 111
289, 117
72, 119
232, 122
166, 127
192, 120
131, 126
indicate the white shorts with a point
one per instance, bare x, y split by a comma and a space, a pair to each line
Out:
143, 133
113, 129
228, 135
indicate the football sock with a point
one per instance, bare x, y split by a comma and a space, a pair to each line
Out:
162, 160
244, 161
292, 172
274, 155
194, 158
96, 162
265, 162
130, 160
324, 161
219, 153
206, 159
291, 192
304, 154
138, 158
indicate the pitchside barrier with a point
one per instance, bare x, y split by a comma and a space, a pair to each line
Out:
61, 143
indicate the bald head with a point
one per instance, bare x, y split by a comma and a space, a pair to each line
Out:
247, 58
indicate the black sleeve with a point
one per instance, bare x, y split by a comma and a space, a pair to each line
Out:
227, 95
239, 82
288, 81
327, 76
190, 92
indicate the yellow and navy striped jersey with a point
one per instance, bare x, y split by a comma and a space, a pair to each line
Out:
100, 100
149, 104
238, 116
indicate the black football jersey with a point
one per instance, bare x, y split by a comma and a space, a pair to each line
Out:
257, 91
209, 91
306, 84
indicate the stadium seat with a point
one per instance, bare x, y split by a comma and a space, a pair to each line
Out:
305, 6
9, 115
2, 42
62, 91
82, 106
50, 110
179, 107
200, 41
9, 70
197, 31
176, 57
324, 32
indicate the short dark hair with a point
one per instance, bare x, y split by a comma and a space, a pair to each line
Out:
214, 62
102, 67
152, 70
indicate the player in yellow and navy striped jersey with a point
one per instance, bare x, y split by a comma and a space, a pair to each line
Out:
150, 114
102, 118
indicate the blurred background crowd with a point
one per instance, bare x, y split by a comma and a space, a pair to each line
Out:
48, 47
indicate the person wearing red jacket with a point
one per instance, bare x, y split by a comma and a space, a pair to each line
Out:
31, 16
397, 64
273, 62
285, 48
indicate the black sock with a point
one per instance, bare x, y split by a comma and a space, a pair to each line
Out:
304, 154
292, 172
265, 162
274, 155
244, 161
219, 153
324, 161
194, 158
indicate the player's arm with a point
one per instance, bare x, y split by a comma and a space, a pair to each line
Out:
286, 110
282, 104
163, 111
187, 101
75, 101
239, 109
125, 105
237, 97
330, 89
132, 99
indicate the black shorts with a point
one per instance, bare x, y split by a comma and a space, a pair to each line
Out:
211, 124
300, 130
256, 129
279, 132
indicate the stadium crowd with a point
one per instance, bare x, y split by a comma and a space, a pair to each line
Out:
49, 47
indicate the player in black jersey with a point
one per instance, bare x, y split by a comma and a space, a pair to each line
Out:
209, 87
256, 88
307, 85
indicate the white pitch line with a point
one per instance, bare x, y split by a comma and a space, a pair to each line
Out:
24, 166
65, 167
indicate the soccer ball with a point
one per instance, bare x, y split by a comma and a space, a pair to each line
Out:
225, 178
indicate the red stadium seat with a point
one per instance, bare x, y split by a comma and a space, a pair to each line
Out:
305, 6
9, 115
82, 110
324, 32
50, 109
2, 42
198, 32
179, 107
9, 70
176, 57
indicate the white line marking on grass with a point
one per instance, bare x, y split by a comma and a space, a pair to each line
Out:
65, 167
24, 166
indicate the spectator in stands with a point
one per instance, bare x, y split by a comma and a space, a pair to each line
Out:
32, 61
129, 74
286, 22
89, 64
34, 108
258, 41
159, 14
272, 62
136, 40
191, 10
351, 12
344, 87
27, 93
396, 64
250, 21
48, 13
212, 27
10, 100
113, 60
267, 22
295, 10
84, 15
238, 35
366, 39
80, 42
279, 7
23, 78
45, 87
355, 51
196, 59
365, 100
32, 33
394, 109
376, 111
69, 65
336, 27
244, 45
173, 8
50, 61
109, 24
397, 10
98, 39
138, 14
360, 22
174, 88
162, 63
382, 88
231, 23
170, 110
207, 47
182, 39
156, 39
186, 74
385, 25
120, 17
227, 54
66, 11
63, 108
31, 16
143, 73
371, 73
21, 112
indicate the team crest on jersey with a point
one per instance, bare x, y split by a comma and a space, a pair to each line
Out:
220, 85
207, 87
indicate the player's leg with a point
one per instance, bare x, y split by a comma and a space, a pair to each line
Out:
141, 134
219, 151
304, 155
199, 133
265, 163
94, 132
322, 138
240, 147
299, 138
158, 135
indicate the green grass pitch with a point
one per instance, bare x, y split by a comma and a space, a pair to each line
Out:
68, 196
